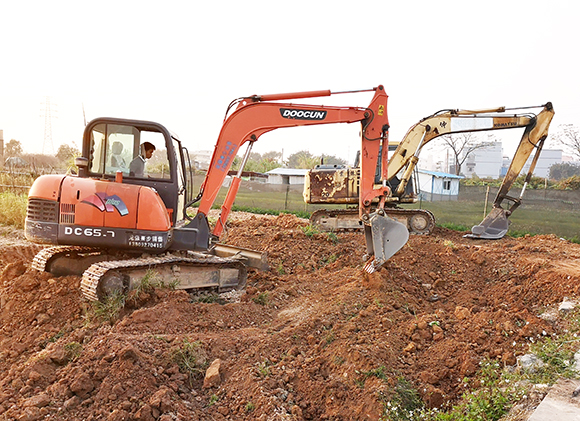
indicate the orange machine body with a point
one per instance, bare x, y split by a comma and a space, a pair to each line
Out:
89, 211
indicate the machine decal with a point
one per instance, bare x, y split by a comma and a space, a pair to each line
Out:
225, 156
381, 109
147, 241
302, 114
106, 203
88, 232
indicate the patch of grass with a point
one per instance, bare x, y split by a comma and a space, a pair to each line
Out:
213, 399
106, 311
73, 351
250, 407
190, 357
450, 244
263, 298
148, 283
13, 208
53, 338
280, 269
310, 230
332, 237
455, 227
264, 368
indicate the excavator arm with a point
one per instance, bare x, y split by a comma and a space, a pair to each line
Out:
257, 115
536, 127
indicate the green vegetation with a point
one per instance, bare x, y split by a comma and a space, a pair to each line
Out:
310, 230
495, 389
262, 298
190, 358
106, 311
73, 351
13, 209
264, 368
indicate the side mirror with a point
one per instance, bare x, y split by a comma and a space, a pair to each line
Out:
82, 163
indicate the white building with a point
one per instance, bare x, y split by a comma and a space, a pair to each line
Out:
485, 162
436, 186
548, 157
286, 176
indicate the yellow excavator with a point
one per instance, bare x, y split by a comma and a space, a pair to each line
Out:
339, 185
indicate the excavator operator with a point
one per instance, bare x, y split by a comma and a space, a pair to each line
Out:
137, 166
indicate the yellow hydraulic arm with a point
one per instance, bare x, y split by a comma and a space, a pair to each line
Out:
406, 156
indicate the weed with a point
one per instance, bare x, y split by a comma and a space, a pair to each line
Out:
263, 298
338, 360
280, 269
379, 373
52, 339
73, 351
148, 283
330, 259
264, 368
250, 407
213, 399
310, 230
329, 338
332, 237
107, 310
190, 358
450, 244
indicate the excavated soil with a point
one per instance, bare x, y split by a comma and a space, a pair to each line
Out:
302, 343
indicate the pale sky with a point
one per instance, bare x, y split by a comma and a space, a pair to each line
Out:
181, 63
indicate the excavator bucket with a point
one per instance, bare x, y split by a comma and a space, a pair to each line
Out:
384, 237
493, 227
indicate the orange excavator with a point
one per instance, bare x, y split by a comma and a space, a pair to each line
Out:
126, 212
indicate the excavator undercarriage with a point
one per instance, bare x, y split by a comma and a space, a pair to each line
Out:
106, 271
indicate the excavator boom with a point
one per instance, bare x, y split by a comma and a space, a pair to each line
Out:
257, 115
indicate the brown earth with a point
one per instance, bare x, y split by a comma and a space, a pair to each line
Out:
314, 338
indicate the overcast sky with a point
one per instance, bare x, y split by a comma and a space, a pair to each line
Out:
180, 63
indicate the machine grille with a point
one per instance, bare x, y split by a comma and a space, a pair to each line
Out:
42, 210
67, 213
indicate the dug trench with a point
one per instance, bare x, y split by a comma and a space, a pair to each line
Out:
313, 338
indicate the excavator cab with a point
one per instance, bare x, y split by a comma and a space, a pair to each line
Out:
119, 149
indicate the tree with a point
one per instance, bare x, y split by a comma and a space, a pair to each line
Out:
303, 159
462, 145
259, 163
569, 136
12, 148
563, 170
66, 152
333, 160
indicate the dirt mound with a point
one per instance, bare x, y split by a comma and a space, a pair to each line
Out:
313, 338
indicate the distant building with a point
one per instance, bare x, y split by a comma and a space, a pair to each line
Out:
286, 176
548, 157
436, 186
485, 162
201, 159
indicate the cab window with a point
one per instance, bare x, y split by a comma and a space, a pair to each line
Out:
134, 152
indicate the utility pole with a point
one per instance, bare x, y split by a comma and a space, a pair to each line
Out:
48, 112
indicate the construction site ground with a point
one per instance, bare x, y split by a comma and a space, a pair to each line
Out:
299, 344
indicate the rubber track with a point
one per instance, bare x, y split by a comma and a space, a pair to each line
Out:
43, 256
95, 273
389, 211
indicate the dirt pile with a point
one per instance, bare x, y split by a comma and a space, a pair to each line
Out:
313, 338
